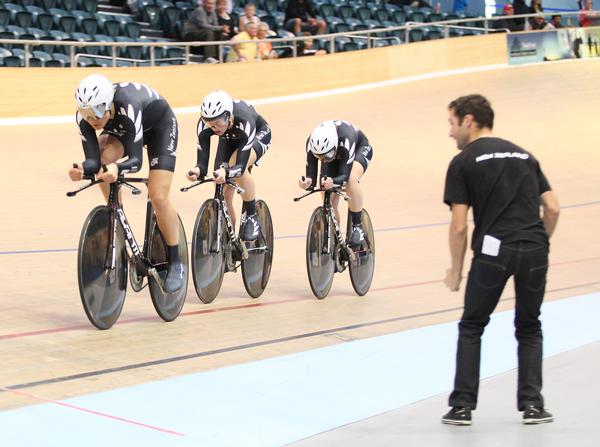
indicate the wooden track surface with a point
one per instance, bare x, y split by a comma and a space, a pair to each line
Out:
46, 340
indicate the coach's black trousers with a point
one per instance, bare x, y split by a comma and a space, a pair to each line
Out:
528, 263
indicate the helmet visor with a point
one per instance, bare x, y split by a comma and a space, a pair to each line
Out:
93, 112
327, 156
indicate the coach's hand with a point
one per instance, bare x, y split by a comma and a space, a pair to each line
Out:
452, 280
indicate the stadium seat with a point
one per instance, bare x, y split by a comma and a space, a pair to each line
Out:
44, 21
88, 5
23, 19
47, 4
67, 23
4, 17
68, 5
89, 25
13, 61
399, 16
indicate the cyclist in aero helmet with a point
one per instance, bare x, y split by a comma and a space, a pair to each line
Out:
244, 137
345, 153
128, 117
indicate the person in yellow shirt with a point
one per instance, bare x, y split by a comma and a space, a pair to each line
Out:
248, 51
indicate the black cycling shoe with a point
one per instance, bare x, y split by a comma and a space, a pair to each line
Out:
357, 237
175, 277
249, 228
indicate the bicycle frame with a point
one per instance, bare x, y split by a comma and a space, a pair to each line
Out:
337, 189
222, 209
140, 256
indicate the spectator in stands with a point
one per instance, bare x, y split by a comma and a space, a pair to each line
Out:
506, 23
300, 16
535, 8
519, 7
586, 17
249, 16
265, 49
203, 25
244, 52
554, 22
306, 48
224, 18
537, 23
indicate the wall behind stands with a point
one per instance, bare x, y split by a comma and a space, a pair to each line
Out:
49, 91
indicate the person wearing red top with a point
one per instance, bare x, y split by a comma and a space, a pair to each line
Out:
587, 17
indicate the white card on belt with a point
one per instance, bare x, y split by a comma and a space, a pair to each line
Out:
491, 246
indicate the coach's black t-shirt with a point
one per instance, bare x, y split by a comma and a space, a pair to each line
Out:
503, 184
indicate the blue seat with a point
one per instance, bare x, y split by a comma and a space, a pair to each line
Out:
13, 8
67, 23
170, 16
151, 14
345, 11
381, 14
23, 19
13, 61
63, 58
42, 55
27, 3
363, 13
36, 32
35, 10
133, 29
89, 25
350, 46
416, 35
88, 5
103, 38
4, 17
68, 5
111, 27
17, 31
54, 63
44, 21
47, 4
434, 34
417, 16
399, 16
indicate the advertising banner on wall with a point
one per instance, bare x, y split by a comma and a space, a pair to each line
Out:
540, 46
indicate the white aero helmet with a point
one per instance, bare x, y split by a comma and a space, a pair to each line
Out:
216, 104
95, 92
323, 141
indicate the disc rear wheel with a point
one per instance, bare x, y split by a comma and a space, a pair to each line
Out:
363, 265
256, 269
167, 305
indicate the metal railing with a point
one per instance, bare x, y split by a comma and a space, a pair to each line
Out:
369, 35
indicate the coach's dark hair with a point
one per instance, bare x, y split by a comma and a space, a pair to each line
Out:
475, 105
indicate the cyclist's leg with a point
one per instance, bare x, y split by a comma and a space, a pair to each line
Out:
111, 150
225, 150
353, 188
246, 181
162, 150
159, 185
355, 204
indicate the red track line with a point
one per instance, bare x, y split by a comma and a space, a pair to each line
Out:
139, 319
87, 410
241, 306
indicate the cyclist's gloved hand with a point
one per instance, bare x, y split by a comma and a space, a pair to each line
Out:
194, 174
109, 173
305, 182
76, 172
220, 176
326, 182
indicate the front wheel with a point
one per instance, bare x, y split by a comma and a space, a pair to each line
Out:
102, 273
320, 244
208, 253
167, 305
256, 269
363, 265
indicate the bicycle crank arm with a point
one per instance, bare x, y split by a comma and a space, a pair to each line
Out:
152, 272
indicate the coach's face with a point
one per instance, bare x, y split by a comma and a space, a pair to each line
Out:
460, 131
